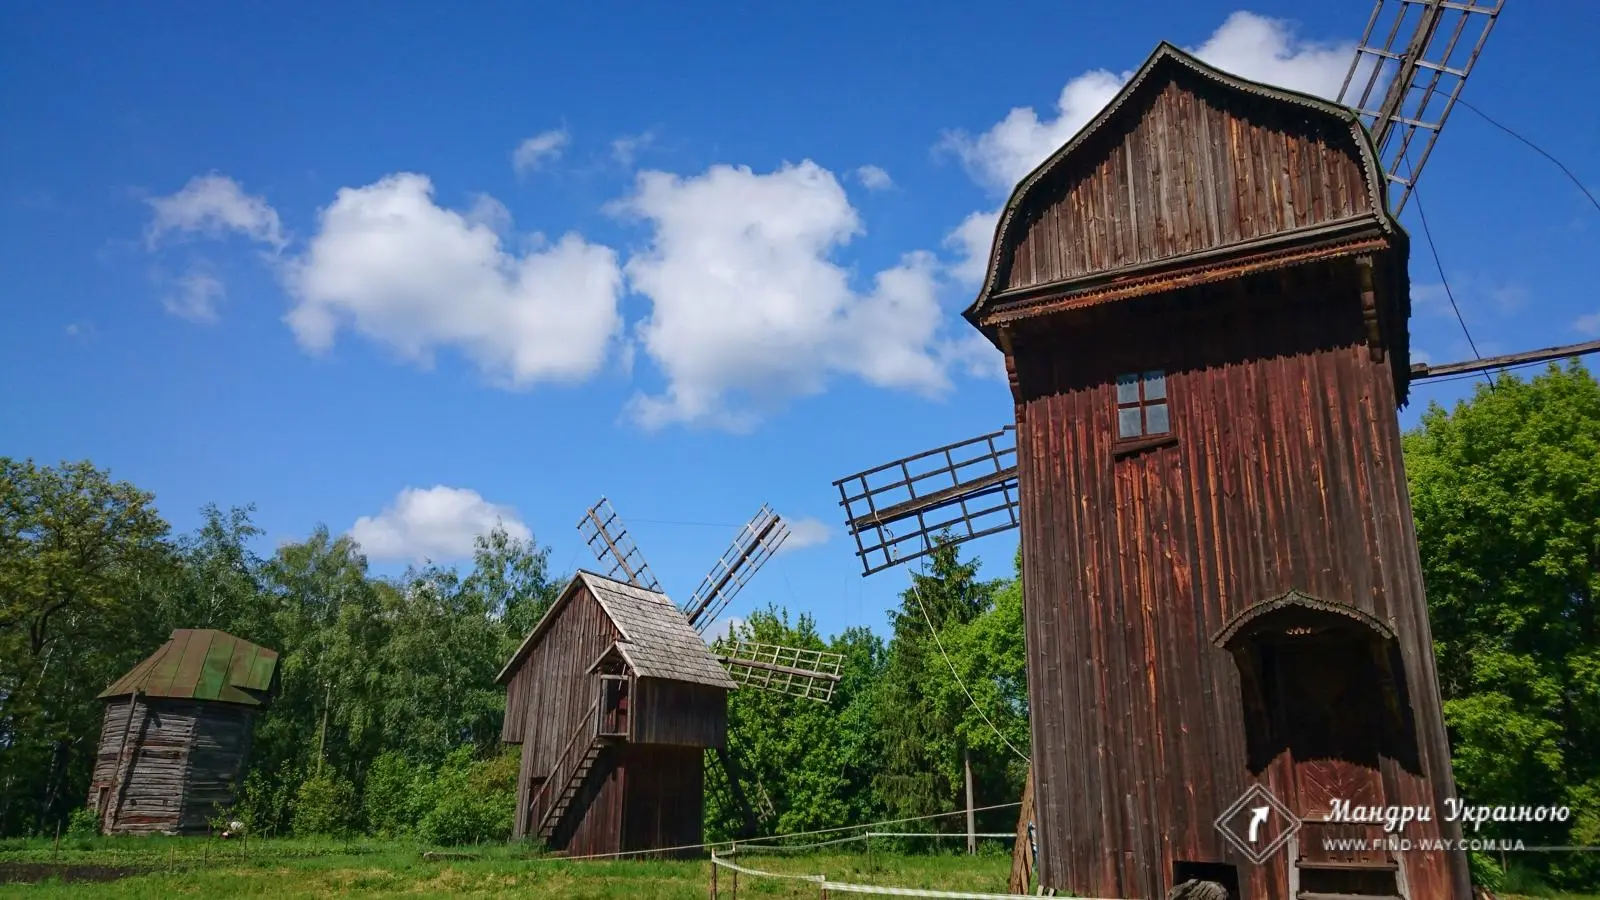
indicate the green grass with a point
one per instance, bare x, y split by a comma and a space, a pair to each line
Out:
210, 869
176, 867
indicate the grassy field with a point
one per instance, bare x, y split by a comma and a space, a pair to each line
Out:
173, 867
161, 867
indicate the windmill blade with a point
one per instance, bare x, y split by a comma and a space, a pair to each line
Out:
966, 490
751, 548
608, 539
794, 671
1423, 51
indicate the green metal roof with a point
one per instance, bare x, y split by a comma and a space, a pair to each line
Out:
202, 664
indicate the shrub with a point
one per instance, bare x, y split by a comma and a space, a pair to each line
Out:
473, 801
324, 805
392, 804
83, 822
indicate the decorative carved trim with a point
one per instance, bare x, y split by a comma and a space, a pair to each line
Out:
1369, 309
1295, 597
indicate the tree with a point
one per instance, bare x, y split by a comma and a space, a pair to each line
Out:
1505, 493
80, 555
922, 763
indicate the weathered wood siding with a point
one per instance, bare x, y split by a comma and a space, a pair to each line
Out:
664, 806
1183, 169
548, 696
679, 713
1286, 473
180, 765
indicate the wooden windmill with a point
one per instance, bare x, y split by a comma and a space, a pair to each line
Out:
615, 697
1202, 299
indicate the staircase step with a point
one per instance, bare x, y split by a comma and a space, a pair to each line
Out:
1362, 865
1314, 895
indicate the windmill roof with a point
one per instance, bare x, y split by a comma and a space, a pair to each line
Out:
202, 664
1166, 60
657, 641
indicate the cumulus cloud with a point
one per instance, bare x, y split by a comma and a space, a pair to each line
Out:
437, 523
194, 297
1246, 44
214, 205
542, 148
748, 307
805, 532
1588, 324
874, 178
389, 263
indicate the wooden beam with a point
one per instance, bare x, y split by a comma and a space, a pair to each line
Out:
1421, 371
908, 508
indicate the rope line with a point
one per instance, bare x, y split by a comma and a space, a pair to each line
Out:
779, 837
1536, 148
845, 887
962, 684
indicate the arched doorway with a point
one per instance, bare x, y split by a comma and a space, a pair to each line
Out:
1325, 712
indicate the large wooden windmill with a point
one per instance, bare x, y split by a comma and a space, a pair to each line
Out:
1202, 299
615, 697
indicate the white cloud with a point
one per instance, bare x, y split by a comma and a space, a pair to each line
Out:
411, 275
195, 297
534, 152
972, 241
1588, 324
1246, 44
214, 205
748, 309
874, 178
625, 149
437, 523
805, 532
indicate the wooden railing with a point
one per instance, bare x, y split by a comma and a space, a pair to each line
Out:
566, 762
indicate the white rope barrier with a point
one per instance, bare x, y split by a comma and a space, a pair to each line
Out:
845, 887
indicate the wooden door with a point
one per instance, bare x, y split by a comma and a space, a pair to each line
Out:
1329, 713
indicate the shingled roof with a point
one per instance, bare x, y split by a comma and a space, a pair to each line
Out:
657, 641
202, 664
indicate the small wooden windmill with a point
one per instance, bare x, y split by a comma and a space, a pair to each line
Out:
1202, 300
615, 696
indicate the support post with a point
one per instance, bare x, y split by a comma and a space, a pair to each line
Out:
972, 829
1022, 851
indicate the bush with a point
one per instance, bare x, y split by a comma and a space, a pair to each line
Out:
1486, 872
473, 801
392, 803
324, 805
83, 822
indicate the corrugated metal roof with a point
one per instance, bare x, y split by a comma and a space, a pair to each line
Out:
202, 664
657, 641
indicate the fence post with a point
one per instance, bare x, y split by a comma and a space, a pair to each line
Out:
869, 851
713, 876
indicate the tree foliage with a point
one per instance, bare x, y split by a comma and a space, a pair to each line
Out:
1506, 497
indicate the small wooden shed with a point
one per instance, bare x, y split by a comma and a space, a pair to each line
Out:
176, 733
614, 699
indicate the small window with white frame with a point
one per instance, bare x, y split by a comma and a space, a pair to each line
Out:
1142, 409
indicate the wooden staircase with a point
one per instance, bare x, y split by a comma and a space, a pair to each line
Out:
1368, 879
571, 771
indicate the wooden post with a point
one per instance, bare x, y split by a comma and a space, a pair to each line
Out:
869, 851
58, 840
714, 876
972, 830
1022, 852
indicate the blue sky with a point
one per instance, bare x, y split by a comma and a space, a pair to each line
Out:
510, 257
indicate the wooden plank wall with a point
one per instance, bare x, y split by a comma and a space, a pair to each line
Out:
664, 804
679, 713
1183, 168
183, 763
1287, 473
548, 695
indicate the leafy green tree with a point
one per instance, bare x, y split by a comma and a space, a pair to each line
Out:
80, 557
1505, 490
922, 772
